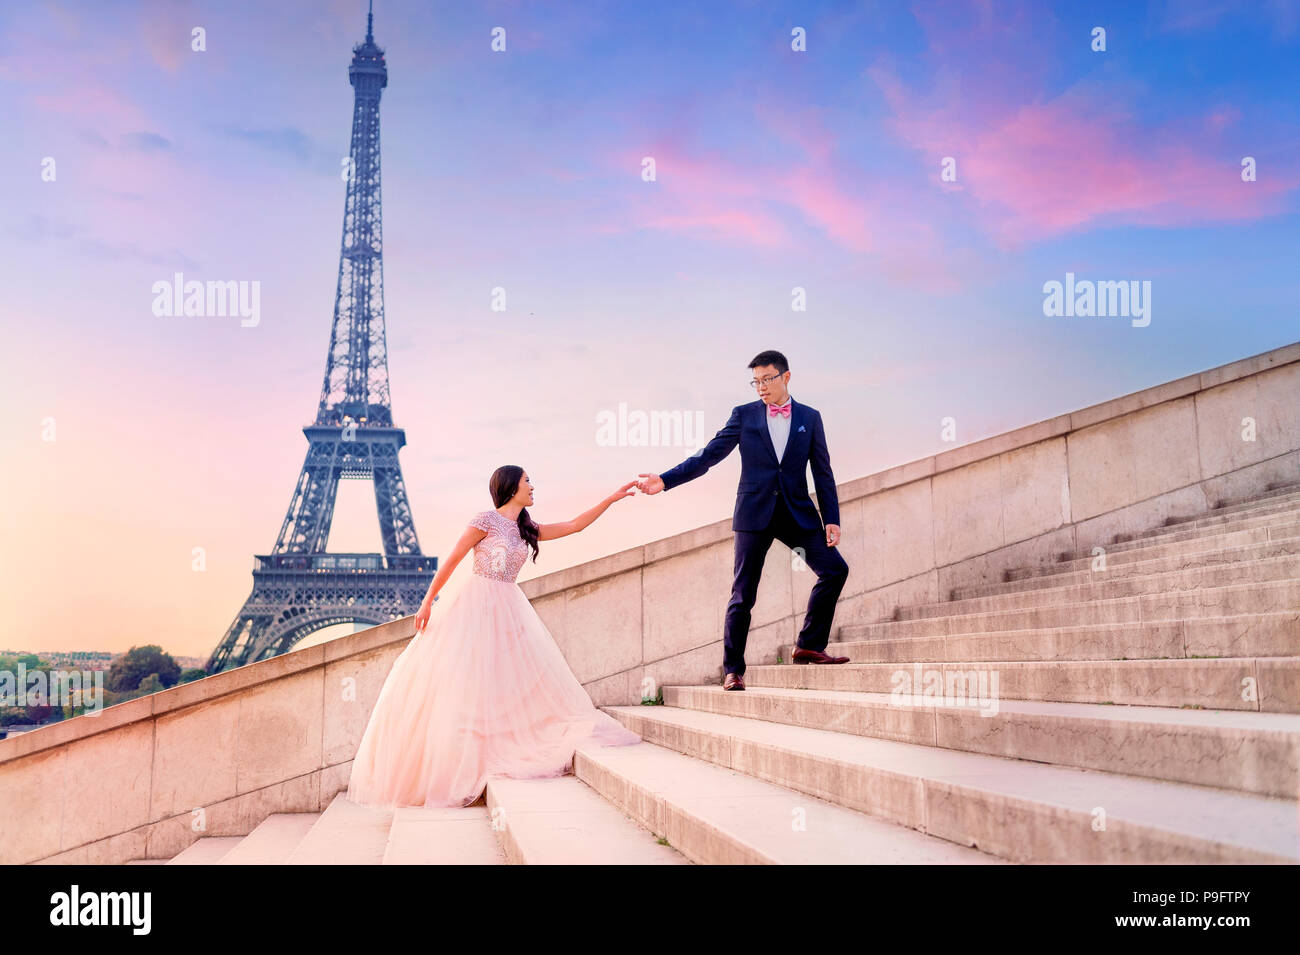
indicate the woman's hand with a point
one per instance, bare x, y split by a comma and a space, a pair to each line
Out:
624, 491
422, 615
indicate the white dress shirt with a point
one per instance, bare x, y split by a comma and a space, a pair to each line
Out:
778, 427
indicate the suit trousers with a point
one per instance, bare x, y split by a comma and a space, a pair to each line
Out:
751, 551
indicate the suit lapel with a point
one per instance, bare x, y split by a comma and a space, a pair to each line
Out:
767, 433
796, 419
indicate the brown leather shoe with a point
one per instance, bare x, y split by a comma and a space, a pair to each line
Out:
801, 655
732, 682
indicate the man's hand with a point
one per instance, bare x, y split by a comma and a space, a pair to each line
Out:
832, 534
651, 483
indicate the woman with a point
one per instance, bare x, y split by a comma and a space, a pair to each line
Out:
482, 689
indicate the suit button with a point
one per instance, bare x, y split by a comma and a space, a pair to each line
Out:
775, 493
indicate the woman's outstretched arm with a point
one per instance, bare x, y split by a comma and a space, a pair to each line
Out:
548, 532
467, 540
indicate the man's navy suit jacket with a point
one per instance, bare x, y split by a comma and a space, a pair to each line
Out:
762, 477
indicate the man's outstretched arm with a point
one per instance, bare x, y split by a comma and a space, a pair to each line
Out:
713, 452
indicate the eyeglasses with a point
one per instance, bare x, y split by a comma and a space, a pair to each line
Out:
767, 381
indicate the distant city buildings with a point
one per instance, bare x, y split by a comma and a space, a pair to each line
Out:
92, 659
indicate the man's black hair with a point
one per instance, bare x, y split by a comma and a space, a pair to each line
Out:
774, 358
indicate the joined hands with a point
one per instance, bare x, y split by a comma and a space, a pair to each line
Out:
649, 483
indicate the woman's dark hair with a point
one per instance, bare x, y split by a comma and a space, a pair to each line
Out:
503, 486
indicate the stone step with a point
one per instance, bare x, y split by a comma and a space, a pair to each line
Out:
209, 850
1274, 491
273, 840
717, 816
345, 834
1273, 542
1101, 586
1012, 808
1262, 532
456, 835
1212, 520
1217, 517
563, 821
1273, 516
1278, 489
1246, 751
1276, 494
1205, 683
1226, 601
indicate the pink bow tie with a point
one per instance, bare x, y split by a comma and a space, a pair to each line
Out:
782, 410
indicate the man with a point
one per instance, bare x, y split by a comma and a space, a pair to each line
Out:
778, 437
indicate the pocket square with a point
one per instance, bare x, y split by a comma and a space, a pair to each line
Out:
801, 428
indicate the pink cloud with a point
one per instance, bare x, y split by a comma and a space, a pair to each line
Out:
1057, 166
1053, 167
758, 200
771, 200
760, 205
712, 196
701, 195
843, 214
1039, 168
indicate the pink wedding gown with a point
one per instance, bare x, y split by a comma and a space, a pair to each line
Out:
482, 691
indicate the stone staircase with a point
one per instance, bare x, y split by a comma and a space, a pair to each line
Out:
1137, 705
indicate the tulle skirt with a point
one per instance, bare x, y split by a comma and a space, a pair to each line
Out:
482, 691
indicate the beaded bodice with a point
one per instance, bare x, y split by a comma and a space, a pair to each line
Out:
500, 554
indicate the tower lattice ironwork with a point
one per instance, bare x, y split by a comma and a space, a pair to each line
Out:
299, 588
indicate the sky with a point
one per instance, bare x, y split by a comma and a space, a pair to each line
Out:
130, 156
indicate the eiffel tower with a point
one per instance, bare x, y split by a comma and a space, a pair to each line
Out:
299, 588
